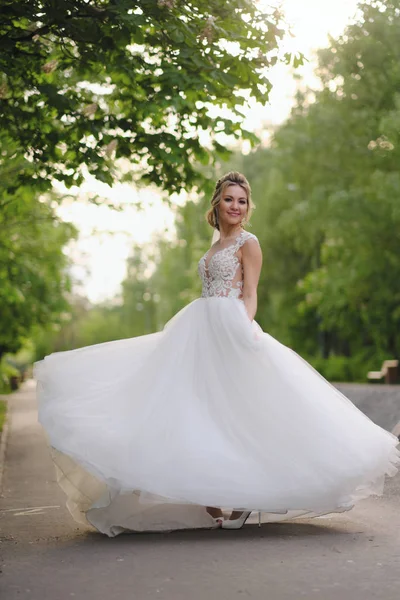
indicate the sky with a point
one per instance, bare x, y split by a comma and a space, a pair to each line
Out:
106, 236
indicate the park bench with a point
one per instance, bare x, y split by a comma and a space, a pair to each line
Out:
387, 374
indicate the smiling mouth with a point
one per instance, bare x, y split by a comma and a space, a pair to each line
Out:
234, 214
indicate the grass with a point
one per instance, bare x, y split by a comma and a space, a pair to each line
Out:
3, 412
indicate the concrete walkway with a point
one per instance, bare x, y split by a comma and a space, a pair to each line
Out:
379, 402
46, 556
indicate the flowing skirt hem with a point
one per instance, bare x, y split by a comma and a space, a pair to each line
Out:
112, 511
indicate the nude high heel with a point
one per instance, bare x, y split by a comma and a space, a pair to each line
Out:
238, 523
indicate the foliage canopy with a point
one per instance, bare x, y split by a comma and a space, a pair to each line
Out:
87, 82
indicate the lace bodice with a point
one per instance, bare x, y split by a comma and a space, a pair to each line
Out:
221, 271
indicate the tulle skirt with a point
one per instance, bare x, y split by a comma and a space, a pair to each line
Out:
211, 411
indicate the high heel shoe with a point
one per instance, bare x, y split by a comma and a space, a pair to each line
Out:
237, 523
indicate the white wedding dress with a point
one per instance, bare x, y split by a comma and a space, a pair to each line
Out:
210, 411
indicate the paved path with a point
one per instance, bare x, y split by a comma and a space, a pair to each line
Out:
379, 401
45, 556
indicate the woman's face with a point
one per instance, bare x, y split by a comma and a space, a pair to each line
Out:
232, 208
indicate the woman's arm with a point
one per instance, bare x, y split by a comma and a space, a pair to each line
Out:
251, 261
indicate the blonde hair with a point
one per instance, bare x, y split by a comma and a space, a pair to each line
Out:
232, 178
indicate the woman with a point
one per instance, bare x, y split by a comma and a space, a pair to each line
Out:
146, 432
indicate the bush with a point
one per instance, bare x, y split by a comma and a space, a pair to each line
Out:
9, 378
334, 368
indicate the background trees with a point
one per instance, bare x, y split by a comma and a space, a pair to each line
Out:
33, 267
331, 201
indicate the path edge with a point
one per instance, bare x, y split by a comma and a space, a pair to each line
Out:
3, 444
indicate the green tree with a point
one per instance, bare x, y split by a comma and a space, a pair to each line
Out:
83, 83
33, 267
327, 192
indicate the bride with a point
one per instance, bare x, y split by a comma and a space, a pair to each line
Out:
164, 431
